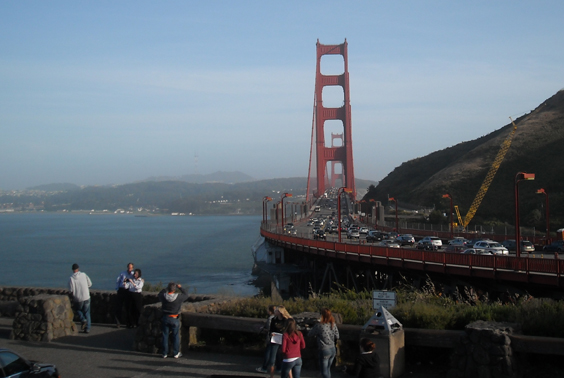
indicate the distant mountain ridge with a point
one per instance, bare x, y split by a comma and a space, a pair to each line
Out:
166, 196
537, 147
217, 177
55, 187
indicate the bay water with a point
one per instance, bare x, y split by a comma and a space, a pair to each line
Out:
206, 254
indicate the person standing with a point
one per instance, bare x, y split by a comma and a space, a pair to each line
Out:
123, 295
79, 284
266, 327
135, 287
292, 344
327, 334
171, 305
278, 325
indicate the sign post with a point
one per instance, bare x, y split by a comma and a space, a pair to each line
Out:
385, 299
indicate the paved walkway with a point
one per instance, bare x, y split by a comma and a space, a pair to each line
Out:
107, 352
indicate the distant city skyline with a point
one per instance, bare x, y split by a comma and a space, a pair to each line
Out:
108, 92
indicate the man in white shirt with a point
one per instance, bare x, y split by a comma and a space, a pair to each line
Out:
123, 296
79, 284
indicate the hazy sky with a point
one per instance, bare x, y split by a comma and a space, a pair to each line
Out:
106, 92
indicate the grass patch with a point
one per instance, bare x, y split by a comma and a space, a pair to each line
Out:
427, 308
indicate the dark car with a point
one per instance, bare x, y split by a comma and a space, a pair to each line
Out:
526, 246
405, 239
556, 246
319, 234
16, 366
374, 236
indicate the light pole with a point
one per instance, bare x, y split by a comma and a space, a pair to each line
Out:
372, 212
520, 176
339, 192
542, 191
264, 210
396, 201
282, 205
451, 224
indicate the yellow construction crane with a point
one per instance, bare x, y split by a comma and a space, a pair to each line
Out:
460, 222
489, 178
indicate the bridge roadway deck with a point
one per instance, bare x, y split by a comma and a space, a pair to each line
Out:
107, 352
524, 270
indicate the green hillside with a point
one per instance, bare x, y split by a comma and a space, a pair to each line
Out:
461, 169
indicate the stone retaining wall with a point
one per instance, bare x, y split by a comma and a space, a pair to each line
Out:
148, 337
485, 351
43, 318
102, 306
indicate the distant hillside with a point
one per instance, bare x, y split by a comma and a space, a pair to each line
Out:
176, 196
217, 177
461, 169
163, 196
58, 187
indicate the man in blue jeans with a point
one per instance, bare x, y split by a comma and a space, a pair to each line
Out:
171, 304
79, 284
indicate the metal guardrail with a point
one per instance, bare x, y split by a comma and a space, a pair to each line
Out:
523, 269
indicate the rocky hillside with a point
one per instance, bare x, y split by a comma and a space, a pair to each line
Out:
537, 147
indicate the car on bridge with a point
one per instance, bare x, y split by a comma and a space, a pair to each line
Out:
363, 230
459, 241
474, 251
319, 234
430, 242
526, 246
388, 243
405, 239
353, 233
491, 246
374, 236
556, 246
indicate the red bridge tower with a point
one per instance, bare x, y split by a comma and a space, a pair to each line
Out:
320, 153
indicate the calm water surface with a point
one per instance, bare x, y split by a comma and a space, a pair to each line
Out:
209, 254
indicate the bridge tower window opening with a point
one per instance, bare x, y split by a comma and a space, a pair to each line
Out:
332, 64
336, 176
333, 96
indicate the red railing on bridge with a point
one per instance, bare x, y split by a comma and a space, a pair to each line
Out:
523, 269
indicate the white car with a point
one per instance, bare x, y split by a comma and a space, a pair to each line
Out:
491, 246
353, 233
433, 241
363, 230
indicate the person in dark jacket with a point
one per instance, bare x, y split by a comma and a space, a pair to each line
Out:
367, 365
266, 328
171, 304
277, 327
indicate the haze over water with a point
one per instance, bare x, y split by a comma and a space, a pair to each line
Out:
209, 254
